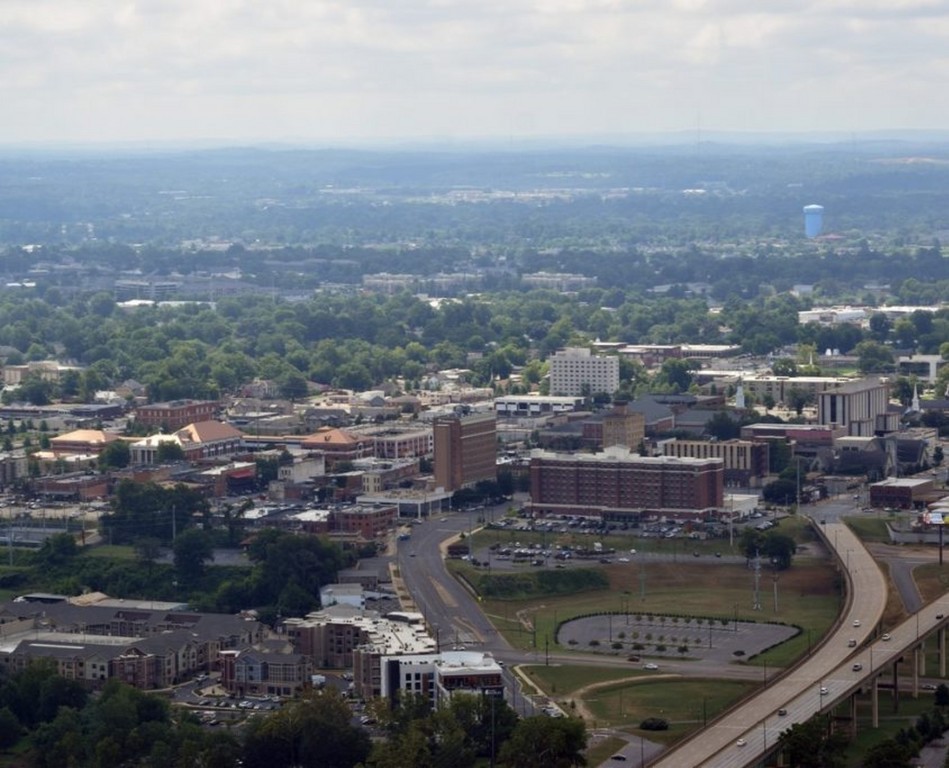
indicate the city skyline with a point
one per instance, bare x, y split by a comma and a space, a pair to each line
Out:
367, 71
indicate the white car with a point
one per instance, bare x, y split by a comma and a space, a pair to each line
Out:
856, 622
622, 559
886, 637
740, 743
823, 690
650, 666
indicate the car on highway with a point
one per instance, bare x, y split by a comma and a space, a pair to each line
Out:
851, 643
650, 666
886, 637
740, 743
928, 687
857, 667
856, 622
619, 758
823, 690
940, 616
782, 712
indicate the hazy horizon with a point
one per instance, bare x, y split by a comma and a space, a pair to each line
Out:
365, 72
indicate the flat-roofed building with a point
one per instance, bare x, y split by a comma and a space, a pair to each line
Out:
465, 450
176, 414
746, 462
577, 371
901, 492
536, 405
618, 484
861, 407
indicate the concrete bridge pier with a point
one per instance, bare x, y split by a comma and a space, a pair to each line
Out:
941, 650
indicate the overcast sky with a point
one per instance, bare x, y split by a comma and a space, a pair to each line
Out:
274, 70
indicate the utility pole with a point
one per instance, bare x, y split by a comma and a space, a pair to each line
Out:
756, 600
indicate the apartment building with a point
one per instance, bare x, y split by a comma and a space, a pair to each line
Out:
577, 371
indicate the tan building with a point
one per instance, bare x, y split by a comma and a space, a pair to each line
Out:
746, 462
622, 426
338, 445
82, 441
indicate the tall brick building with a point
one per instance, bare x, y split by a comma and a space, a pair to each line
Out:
465, 450
621, 485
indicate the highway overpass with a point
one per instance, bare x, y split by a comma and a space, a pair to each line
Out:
756, 721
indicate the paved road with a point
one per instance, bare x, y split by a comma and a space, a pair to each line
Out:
756, 721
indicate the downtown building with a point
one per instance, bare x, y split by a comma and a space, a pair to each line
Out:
860, 406
746, 462
466, 450
577, 371
618, 485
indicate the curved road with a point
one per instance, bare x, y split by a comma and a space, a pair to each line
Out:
756, 721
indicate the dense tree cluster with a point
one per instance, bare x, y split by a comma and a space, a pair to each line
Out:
361, 341
55, 722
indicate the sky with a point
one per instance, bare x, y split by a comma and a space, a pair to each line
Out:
353, 71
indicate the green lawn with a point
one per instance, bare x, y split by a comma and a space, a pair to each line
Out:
869, 528
563, 679
808, 597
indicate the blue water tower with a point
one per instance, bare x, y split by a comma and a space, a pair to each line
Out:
813, 220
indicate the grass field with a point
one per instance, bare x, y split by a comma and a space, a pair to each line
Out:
932, 580
808, 597
872, 529
609, 697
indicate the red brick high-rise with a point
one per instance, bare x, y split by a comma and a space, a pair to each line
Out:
465, 450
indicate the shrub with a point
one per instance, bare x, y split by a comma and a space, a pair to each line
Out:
654, 724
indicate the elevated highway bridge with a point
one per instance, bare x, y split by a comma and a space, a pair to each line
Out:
853, 658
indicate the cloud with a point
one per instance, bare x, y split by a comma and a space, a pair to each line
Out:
180, 68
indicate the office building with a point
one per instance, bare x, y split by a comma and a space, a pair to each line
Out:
861, 407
